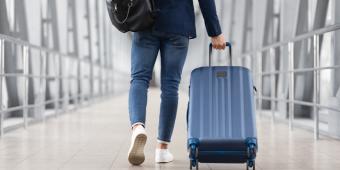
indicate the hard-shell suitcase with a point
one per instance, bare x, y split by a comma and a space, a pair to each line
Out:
221, 115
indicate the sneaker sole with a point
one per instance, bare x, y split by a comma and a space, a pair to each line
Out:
136, 154
163, 161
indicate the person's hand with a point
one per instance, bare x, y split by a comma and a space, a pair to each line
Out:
218, 42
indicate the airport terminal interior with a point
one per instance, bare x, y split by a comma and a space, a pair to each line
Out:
65, 78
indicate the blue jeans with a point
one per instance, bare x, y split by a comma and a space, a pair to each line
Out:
173, 50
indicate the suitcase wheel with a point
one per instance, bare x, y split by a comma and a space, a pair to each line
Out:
251, 152
251, 164
193, 164
193, 155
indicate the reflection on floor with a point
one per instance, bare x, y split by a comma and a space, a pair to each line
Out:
97, 138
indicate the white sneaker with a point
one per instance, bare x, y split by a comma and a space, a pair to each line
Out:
163, 156
136, 152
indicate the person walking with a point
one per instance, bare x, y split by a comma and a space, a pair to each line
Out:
170, 34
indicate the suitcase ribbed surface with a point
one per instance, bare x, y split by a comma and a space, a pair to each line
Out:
221, 103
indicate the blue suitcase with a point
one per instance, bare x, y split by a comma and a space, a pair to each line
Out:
221, 115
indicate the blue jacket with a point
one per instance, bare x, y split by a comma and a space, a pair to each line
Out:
178, 17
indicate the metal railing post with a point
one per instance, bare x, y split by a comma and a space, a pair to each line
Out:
40, 84
43, 83
272, 82
253, 63
106, 91
80, 82
26, 79
82, 91
316, 87
77, 79
2, 59
291, 84
260, 76
101, 80
57, 84
64, 81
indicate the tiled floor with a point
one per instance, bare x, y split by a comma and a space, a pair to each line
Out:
97, 138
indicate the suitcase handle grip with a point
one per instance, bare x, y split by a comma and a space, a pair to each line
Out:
228, 44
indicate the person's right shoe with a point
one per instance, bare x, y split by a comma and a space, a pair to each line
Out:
163, 156
136, 152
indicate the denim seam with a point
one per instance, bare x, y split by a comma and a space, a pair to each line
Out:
162, 142
137, 123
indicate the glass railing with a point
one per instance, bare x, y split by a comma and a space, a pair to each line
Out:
284, 51
67, 77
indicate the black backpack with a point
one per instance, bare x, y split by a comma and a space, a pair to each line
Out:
131, 15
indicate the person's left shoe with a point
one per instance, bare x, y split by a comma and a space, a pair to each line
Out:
136, 152
163, 156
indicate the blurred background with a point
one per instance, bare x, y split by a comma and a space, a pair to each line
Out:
59, 53
60, 56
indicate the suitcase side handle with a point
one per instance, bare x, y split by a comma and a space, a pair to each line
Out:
228, 44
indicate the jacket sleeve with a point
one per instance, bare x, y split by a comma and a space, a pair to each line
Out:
212, 24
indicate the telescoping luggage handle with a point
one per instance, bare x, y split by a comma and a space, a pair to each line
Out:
230, 52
